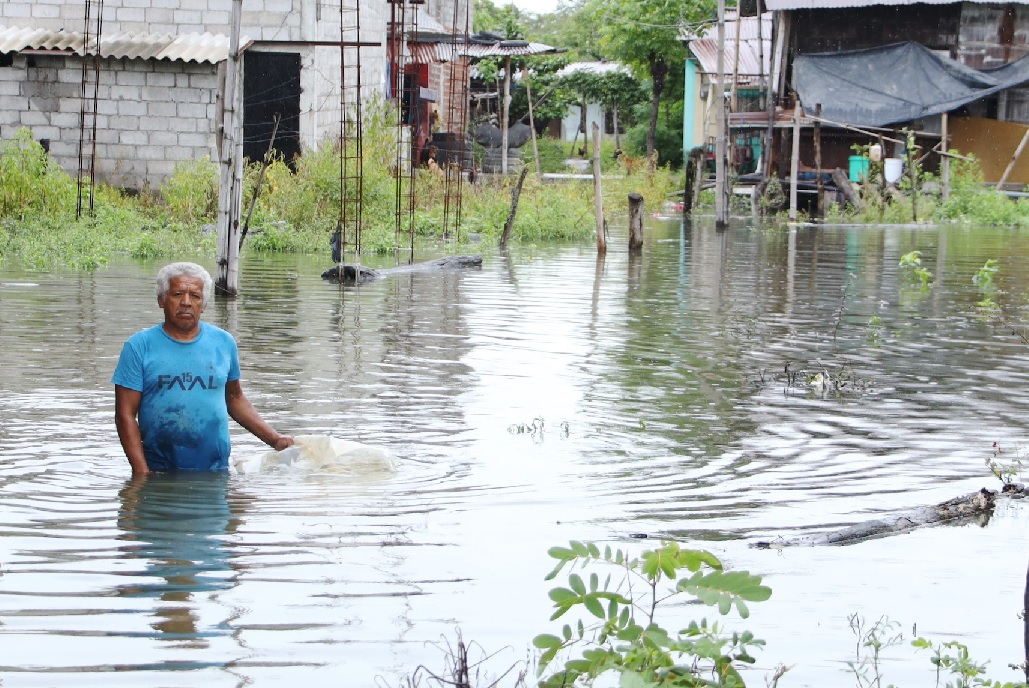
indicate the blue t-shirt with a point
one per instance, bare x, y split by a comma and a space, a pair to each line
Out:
183, 418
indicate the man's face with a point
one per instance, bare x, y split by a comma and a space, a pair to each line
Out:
183, 304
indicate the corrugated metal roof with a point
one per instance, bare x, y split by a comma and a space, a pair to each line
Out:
190, 47
429, 53
705, 49
837, 4
509, 48
599, 68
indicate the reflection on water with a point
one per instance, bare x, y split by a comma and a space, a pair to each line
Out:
179, 526
548, 396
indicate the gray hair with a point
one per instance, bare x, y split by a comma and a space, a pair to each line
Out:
173, 270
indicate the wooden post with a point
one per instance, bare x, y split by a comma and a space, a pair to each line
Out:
945, 164
693, 178
913, 175
635, 223
230, 186
506, 111
820, 202
1014, 159
721, 181
614, 117
514, 208
735, 100
598, 199
532, 132
795, 158
701, 170
882, 165
1025, 627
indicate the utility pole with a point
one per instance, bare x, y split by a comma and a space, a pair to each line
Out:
721, 183
230, 163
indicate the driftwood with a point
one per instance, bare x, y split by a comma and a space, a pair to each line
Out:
974, 506
843, 184
359, 274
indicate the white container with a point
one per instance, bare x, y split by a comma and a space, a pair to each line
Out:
893, 168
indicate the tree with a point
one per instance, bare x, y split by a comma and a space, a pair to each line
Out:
489, 17
616, 90
572, 27
645, 34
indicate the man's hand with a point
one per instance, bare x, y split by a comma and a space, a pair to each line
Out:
283, 442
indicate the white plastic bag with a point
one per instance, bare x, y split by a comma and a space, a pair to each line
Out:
325, 454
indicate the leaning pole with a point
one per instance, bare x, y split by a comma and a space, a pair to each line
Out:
230, 163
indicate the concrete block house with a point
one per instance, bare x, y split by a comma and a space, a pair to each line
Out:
157, 79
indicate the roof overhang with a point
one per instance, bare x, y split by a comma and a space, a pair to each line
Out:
188, 47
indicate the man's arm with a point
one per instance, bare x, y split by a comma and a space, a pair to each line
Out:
126, 406
244, 413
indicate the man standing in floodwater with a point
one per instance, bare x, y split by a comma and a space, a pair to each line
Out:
177, 384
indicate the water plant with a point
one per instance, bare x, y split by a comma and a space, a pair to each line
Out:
913, 261
950, 657
870, 643
1005, 466
983, 277
622, 636
874, 330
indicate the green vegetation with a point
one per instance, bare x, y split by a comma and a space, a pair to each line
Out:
949, 658
970, 200
623, 636
296, 210
620, 641
983, 277
913, 263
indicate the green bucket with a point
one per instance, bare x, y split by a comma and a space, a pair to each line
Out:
858, 168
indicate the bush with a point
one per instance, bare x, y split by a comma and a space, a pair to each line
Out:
667, 143
191, 193
29, 184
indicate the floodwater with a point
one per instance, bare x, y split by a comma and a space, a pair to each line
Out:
547, 397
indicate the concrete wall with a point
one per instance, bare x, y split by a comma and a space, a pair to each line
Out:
262, 19
149, 114
570, 122
152, 114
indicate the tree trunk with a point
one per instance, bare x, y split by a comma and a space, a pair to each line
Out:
585, 131
635, 223
658, 71
514, 209
618, 139
977, 505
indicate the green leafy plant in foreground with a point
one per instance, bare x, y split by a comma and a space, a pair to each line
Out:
622, 634
913, 261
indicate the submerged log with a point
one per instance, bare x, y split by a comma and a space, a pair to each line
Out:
359, 274
974, 506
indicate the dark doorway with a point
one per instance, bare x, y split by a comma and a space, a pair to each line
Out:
271, 87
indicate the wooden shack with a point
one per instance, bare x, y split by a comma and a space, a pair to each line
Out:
979, 37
